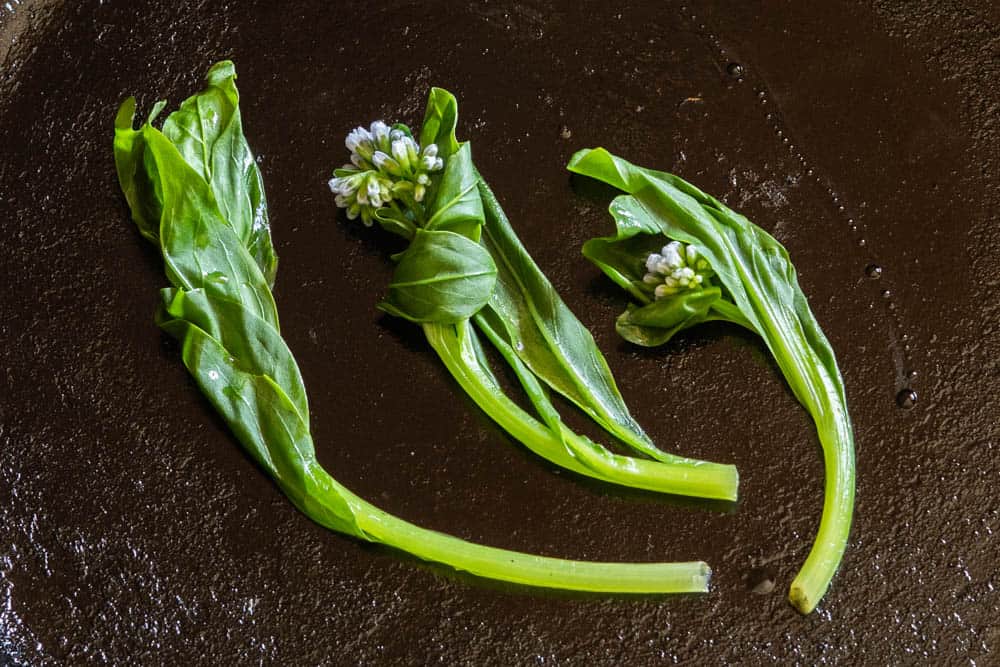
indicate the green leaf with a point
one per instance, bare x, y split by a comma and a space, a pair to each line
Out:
549, 338
207, 131
440, 120
134, 176
623, 256
254, 345
656, 323
761, 292
200, 249
456, 205
442, 277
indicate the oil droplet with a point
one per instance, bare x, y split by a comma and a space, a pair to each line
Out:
735, 70
862, 243
906, 399
886, 294
873, 271
912, 375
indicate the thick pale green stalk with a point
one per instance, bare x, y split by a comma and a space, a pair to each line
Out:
454, 346
812, 581
522, 568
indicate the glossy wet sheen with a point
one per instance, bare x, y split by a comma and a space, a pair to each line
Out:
132, 528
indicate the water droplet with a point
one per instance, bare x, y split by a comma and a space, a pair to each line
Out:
862, 243
906, 399
761, 94
735, 70
886, 294
565, 132
912, 375
873, 271
810, 171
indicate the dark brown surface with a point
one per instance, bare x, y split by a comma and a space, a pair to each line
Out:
133, 529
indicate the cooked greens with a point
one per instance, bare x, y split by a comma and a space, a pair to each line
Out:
686, 258
466, 275
195, 191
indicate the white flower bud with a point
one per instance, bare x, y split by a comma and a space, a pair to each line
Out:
356, 137
401, 154
374, 192
692, 254
672, 255
664, 290
380, 133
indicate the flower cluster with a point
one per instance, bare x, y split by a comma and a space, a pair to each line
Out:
386, 165
677, 267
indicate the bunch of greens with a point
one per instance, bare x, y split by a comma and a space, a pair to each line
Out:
686, 258
465, 275
196, 193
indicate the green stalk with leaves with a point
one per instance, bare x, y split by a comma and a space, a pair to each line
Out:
466, 275
686, 258
195, 192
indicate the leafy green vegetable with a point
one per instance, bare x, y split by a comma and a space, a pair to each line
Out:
442, 277
520, 314
220, 308
757, 289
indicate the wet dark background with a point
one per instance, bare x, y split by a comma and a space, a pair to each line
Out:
133, 529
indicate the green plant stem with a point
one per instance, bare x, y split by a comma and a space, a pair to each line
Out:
812, 581
522, 568
694, 478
